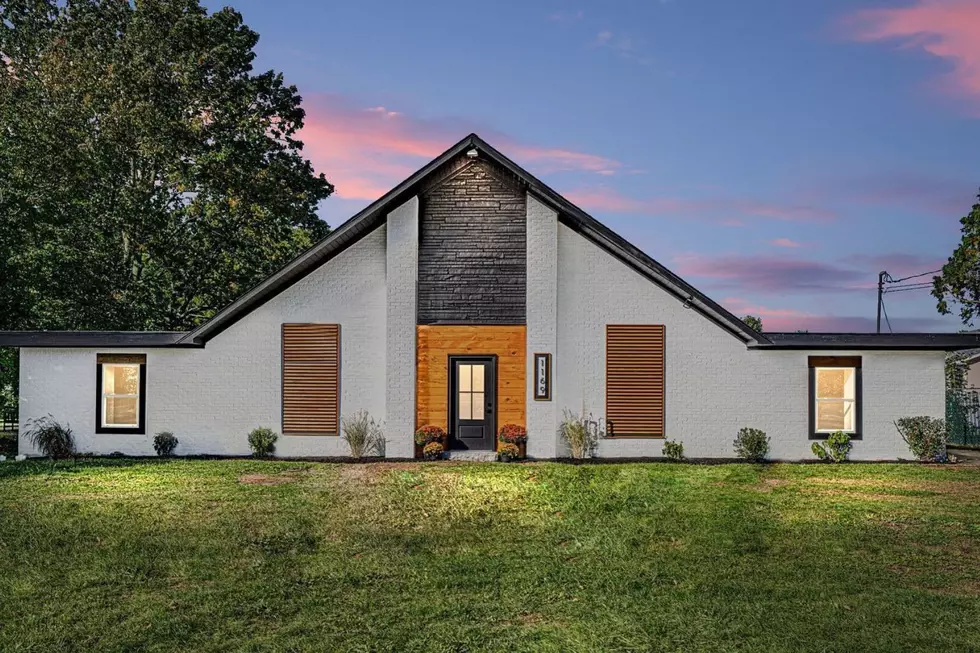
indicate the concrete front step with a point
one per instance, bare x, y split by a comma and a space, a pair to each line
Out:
473, 456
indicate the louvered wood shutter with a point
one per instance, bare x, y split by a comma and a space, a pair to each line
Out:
310, 379
635, 380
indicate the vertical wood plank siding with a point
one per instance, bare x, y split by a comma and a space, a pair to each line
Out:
437, 343
635, 380
310, 379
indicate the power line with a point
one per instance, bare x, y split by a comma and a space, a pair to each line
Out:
888, 278
886, 292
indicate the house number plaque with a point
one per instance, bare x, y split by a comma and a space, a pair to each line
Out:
542, 377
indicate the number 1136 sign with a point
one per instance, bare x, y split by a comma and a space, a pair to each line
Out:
542, 377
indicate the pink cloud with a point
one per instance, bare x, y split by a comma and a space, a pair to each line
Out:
948, 29
784, 242
365, 151
789, 320
723, 209
774, 274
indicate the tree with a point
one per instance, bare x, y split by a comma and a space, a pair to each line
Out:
959, 280
147, 175
753, 322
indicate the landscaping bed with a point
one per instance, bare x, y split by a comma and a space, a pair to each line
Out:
117, 554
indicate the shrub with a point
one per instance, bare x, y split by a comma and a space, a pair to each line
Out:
363, 435
428, 434
164, 443
262, 441
834, 449
512, 434
578, 433
673, 450
432, 451
51, 438
508, 451
751, 445
925, 436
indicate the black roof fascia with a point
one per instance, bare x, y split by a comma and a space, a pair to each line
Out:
337, 241
122, 339
879, 341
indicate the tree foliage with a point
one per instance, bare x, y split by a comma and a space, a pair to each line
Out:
147, 175
753, 322
959, 280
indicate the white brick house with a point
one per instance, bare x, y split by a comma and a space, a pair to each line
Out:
469, 297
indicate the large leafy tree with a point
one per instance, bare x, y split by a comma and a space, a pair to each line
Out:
959, 281
148, 175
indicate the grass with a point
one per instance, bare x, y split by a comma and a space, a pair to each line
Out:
118, 555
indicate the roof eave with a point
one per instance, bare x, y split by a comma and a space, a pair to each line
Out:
108, 339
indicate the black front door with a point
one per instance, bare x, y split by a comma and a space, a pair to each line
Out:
471, 402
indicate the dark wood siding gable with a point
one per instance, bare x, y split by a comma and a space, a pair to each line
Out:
473, 248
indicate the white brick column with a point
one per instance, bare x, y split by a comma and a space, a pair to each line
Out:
542, 324
402, 274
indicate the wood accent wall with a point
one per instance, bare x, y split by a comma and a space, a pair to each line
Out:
635, 380
435, 343
310, 379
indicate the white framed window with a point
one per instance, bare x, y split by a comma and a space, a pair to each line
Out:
121, 385
836, 399
835, 395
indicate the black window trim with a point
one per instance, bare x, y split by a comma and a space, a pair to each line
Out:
854, 362
121, 430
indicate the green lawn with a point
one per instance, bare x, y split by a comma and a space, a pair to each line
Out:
116, 555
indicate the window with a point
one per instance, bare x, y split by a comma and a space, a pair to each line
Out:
835, 395
310, 379
121, 402
471, 396
635, 380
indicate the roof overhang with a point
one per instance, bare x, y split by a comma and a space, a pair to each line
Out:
122, 339
871, 341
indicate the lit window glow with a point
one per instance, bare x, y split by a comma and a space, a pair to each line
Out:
836, 399
120, 395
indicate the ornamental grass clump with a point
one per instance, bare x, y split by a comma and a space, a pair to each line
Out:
835, 449
751, 445
263, 442
429, 434
363, 435
926, 437
432, 451
578, 432
51, 438
164, 443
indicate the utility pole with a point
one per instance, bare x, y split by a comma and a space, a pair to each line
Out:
881, 289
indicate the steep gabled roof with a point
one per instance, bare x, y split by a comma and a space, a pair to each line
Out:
375, 214
568, 214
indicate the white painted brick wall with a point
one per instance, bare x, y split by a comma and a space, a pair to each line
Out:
714, 384
402, 274
212, 397
542, 316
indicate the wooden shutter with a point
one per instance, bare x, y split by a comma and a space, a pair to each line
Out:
310, 379
635, 380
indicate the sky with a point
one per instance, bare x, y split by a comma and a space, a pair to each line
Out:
777, 154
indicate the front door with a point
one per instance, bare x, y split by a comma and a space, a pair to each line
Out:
471, 402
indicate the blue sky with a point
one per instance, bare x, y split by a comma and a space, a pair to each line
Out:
775, 153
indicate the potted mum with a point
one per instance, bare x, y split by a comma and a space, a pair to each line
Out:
432, 451
429, 434
513, 434
508, 452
